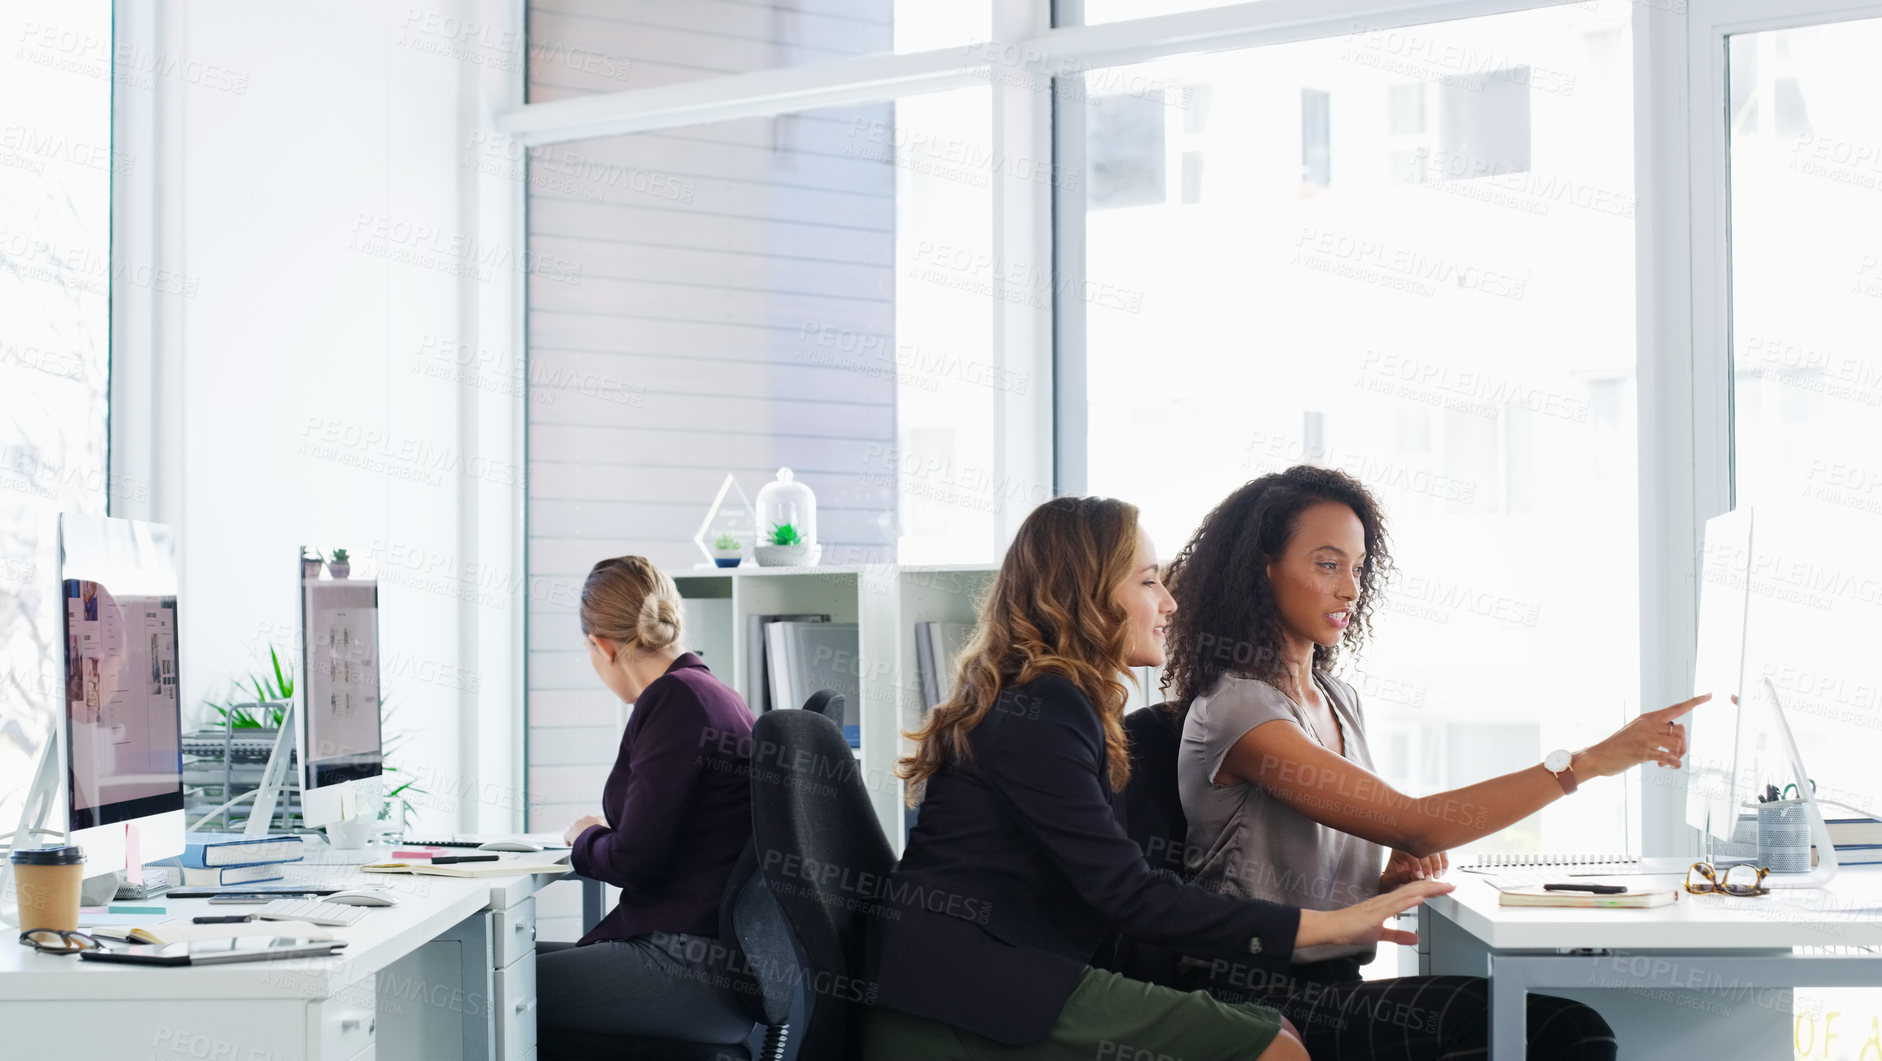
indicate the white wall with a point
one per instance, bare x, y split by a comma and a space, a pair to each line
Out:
335, 256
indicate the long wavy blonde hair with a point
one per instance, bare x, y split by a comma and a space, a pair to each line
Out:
1052, 611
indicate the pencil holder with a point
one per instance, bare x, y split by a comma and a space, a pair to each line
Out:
1784, 836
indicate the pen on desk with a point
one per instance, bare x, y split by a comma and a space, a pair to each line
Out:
221, 919
446, 860
1597, 889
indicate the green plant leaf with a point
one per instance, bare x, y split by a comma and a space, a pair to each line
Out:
284, 683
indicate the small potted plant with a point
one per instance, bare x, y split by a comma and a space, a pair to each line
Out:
341, 565
310, 565
786, 548
727, 551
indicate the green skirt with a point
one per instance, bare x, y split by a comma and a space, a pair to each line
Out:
1108, 1018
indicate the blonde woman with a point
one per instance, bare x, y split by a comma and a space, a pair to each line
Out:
676, 815
1018, 867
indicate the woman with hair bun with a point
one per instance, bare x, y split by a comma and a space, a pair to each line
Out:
676, 815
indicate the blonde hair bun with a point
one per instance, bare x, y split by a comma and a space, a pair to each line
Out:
629, 600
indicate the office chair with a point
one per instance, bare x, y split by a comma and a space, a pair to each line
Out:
759, 941
810, 808
1151, 810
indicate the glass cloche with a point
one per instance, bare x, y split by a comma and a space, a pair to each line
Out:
787, 522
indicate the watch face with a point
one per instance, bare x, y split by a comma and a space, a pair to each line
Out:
1556, 762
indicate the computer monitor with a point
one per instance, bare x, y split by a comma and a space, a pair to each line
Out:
342, 757
123, 723
1741, 742
1714, 794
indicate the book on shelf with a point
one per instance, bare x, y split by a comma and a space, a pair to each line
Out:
938, 648
1631, 900
804, 657
203, 850
757, 674
222, 876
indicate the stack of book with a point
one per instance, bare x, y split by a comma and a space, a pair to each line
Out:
1858, 840
217, 860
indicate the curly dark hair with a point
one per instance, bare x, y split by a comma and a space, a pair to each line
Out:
1226, 616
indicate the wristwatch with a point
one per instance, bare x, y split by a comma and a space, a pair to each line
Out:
1558, 763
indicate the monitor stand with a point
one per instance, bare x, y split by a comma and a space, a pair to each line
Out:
40, 796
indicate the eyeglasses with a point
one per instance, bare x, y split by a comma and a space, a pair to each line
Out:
1737, 880
58, 941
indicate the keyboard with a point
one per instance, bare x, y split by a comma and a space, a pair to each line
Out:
312, 911
442, 843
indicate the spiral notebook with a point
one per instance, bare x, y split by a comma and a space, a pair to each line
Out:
1505, 872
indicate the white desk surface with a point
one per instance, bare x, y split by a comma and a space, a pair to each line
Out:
428, 906
1848, 913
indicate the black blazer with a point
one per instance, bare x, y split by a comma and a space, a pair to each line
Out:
1016, 870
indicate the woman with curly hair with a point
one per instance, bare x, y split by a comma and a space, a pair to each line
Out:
1017, 866
1278, 785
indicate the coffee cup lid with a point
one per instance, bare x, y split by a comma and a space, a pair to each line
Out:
55, 855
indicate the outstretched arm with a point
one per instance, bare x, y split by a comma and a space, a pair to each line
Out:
1335, 792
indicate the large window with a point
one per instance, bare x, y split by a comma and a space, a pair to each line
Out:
1411, 251
56, 166
1408, 254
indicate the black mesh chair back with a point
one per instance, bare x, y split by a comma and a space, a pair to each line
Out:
1151, 810
820, 848
1152, 805
762, 952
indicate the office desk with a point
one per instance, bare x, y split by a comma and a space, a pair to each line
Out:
1706, 968
449, 973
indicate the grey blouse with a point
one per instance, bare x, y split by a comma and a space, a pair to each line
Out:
1242, 840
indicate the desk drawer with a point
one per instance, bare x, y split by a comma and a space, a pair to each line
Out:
516, 1007
342, 1027
514, 933
110, 1027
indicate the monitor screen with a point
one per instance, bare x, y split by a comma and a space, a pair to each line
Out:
122, 709
340, 624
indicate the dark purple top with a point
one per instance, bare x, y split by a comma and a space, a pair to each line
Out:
678, 807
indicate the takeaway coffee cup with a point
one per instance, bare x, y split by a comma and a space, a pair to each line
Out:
47, 880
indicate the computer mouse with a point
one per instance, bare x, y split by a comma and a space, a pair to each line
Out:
509, 845
360, 898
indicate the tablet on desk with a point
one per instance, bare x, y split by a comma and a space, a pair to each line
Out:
217, 951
